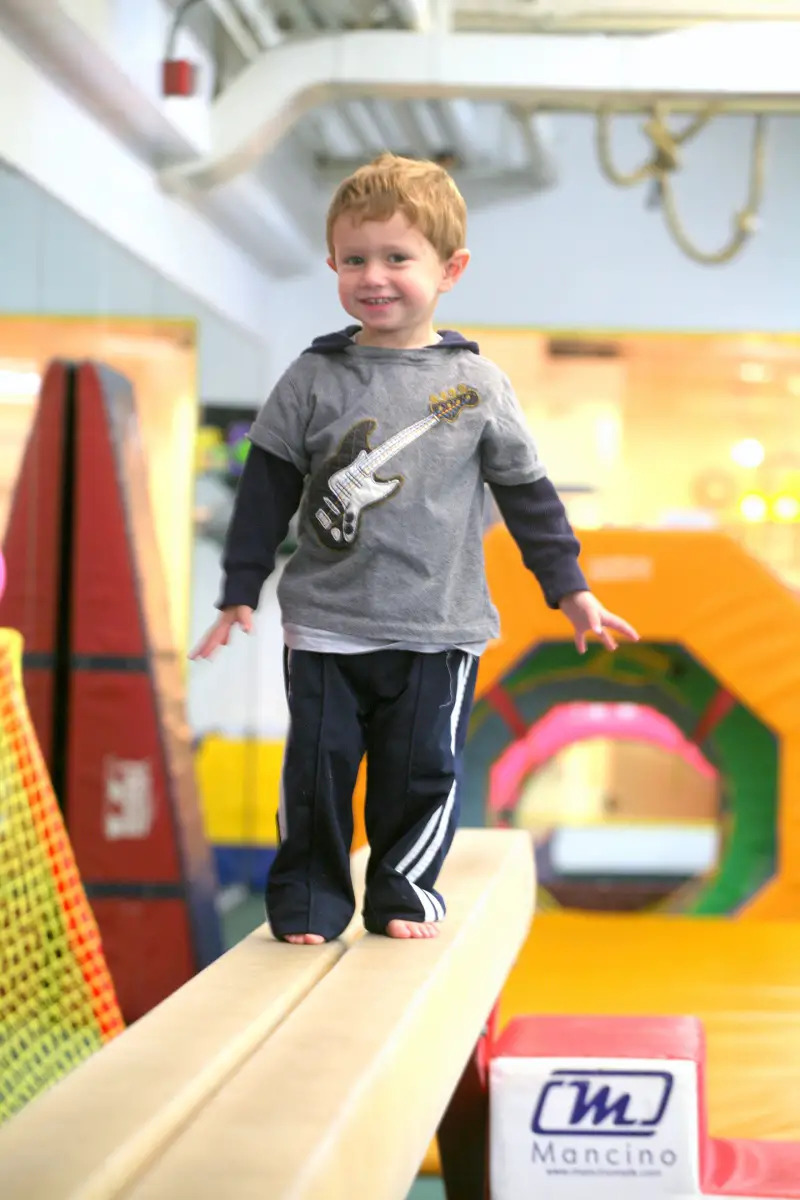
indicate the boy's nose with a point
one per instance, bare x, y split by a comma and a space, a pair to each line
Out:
373, 273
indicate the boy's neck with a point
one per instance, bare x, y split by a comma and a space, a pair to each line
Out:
416, 339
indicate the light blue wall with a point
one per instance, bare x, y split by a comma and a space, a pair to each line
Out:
590, 254
586, 254
52, 261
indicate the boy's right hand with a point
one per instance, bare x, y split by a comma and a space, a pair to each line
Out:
220, 632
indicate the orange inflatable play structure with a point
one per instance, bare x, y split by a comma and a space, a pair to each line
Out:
720, 656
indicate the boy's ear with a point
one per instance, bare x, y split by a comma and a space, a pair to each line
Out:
454, 268
331, 263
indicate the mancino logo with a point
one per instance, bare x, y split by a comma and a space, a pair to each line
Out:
579, 1103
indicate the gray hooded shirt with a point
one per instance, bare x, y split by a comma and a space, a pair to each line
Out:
395, 447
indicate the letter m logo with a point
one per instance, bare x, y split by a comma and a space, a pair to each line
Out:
602, 1103
599, 1107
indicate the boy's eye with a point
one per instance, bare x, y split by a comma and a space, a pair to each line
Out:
354, 260
398, 258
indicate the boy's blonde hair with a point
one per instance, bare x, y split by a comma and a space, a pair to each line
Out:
421, 190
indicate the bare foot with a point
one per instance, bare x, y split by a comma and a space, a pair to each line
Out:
304, 939
411, 929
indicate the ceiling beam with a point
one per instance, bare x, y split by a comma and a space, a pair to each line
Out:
743, 67
559, 16
89, 73
261, 22
231, 21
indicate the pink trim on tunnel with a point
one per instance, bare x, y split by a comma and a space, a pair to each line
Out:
567, 724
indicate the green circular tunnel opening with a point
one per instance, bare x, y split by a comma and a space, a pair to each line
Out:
667, 677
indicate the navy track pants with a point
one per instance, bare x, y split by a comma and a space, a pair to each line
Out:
409, 713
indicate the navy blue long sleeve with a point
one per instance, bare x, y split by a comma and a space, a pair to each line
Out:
267, 498
537, 521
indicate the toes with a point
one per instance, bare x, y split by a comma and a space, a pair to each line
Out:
304, 939
411, 929
399, 929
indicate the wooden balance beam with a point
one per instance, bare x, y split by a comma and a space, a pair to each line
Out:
343, 1099
92, 1132
337, 1098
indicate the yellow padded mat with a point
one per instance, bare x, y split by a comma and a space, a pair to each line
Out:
741, 978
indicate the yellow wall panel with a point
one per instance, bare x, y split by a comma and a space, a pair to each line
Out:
239, 782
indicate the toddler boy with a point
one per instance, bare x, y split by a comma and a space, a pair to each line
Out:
384, 435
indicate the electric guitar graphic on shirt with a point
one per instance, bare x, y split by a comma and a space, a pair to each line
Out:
345, 484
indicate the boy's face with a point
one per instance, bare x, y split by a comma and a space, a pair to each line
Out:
390, 278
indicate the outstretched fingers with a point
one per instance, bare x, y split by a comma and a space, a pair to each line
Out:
217, 636
612, 621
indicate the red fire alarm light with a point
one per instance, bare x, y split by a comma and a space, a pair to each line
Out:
178, 77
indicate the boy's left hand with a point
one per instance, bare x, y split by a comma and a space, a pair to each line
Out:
587, 615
